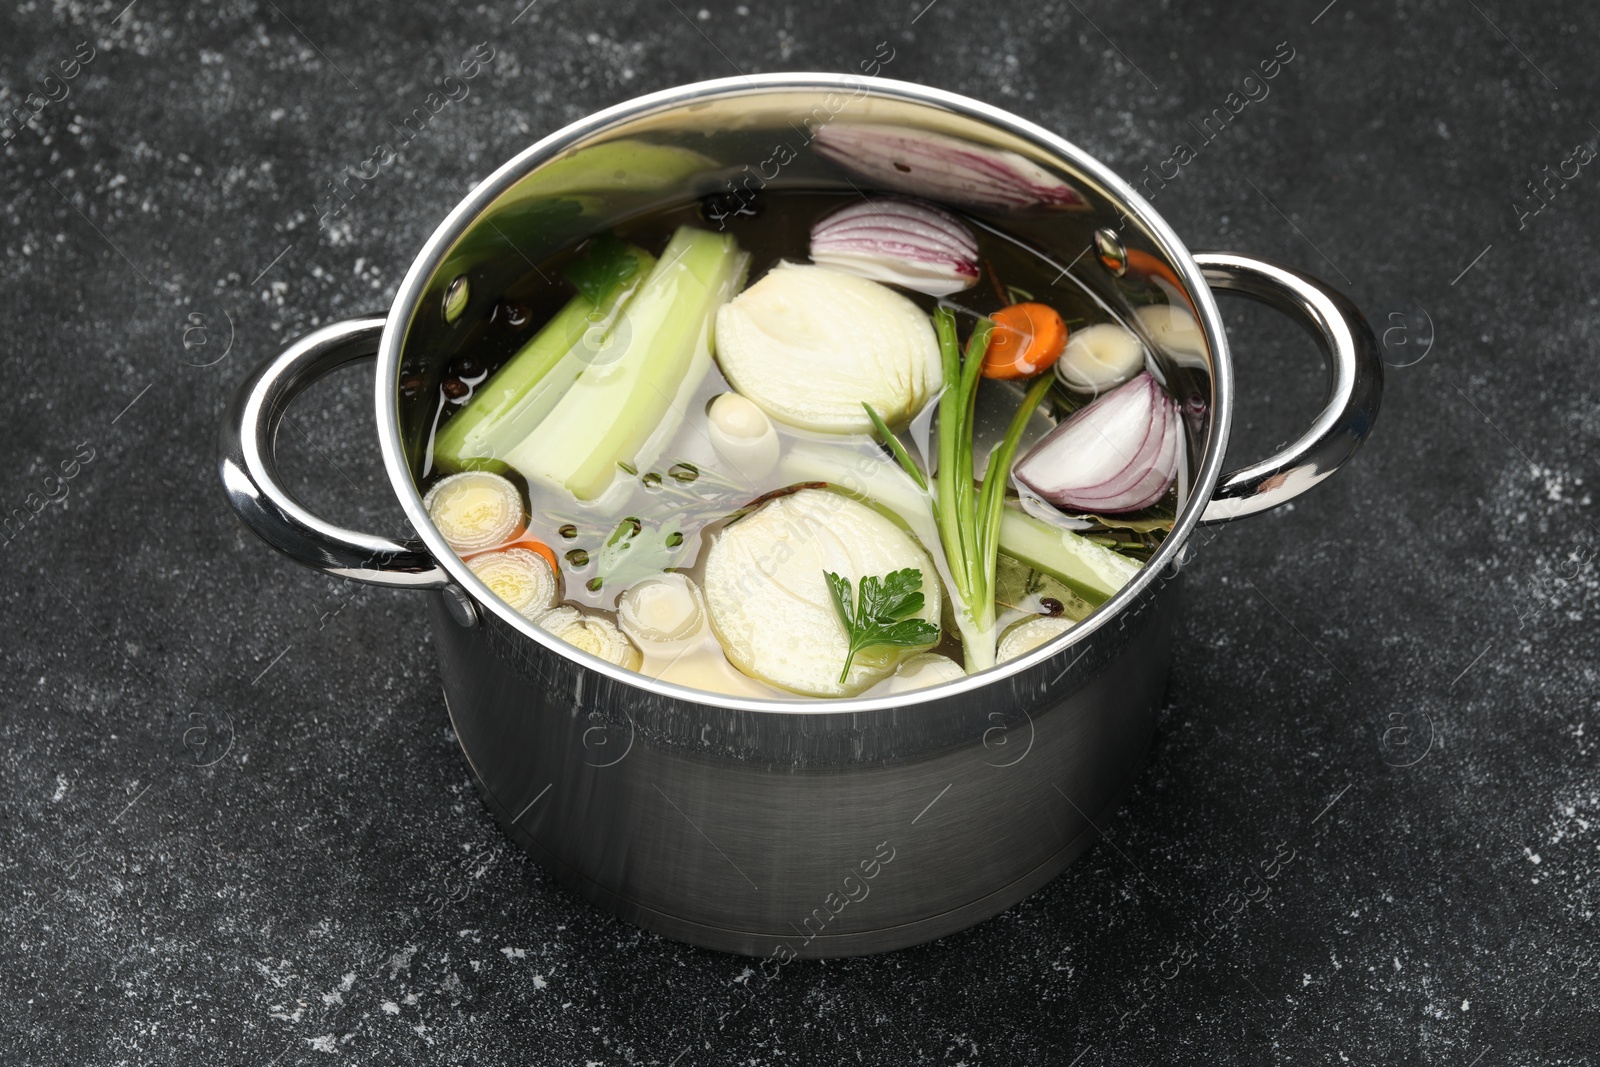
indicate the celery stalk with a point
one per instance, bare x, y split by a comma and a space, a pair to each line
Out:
505, 409
1092, 571
614, 408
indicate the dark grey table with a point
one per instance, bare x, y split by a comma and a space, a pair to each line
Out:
237, 829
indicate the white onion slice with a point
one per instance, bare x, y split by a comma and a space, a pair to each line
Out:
1029, 634
663, 613
808, 345
903, 242
595, 634
942, 167
1099, 357
1118, 454
520, 577
475, 510
768, 596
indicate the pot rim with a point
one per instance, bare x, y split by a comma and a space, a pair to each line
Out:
414, 285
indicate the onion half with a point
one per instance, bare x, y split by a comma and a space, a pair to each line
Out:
808, 345
942, 167
1118, 454
903, 242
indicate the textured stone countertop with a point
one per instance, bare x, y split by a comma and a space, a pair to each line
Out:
237, 828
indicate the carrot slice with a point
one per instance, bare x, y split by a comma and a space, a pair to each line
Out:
1027, 340
542, 549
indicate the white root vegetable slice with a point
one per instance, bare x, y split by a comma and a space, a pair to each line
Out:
1099, 357
742, 435
663, 614
594, 634
475, 511
520, 577
1029, 634
919, 672
808, 345
769, 602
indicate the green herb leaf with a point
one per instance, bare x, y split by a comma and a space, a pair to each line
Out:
882, 615
898, 450
606, 263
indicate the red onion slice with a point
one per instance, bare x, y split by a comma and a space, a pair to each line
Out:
902, 242
942, 167
1118, 454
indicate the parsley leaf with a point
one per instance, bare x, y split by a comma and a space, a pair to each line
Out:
607, 262
882, 613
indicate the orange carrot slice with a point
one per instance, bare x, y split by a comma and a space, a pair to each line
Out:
1027, 340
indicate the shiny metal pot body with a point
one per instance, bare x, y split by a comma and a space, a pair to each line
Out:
781, 828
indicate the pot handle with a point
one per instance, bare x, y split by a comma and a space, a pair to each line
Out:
1355, 366
248, 463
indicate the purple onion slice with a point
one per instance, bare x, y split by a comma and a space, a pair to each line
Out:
941, 167
1118, 454
902, 242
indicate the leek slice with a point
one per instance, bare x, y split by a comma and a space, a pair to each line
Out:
619, 405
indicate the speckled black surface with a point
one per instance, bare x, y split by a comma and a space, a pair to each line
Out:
237, 830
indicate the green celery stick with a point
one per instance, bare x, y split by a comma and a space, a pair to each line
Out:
505, 409
615, 407
1093, 571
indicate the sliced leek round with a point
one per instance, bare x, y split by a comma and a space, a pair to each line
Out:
921, 671
520, 577
769, 601
1029, 634
1099, 357
594, 634
662, 614
475, 510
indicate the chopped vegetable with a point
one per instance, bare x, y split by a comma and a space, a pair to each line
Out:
1099, 357
1092, 571
475, 511
1120, 453
903, 242
919, 672
808, 345
942, 167
615, 410
882, 615
1174, 332
772, 608
1027, 340
742, 435
539, 548
523, 579
1027, 635
663, 614
969, 525
594, 634
504, 410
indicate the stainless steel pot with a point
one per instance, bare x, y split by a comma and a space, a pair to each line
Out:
774, 828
